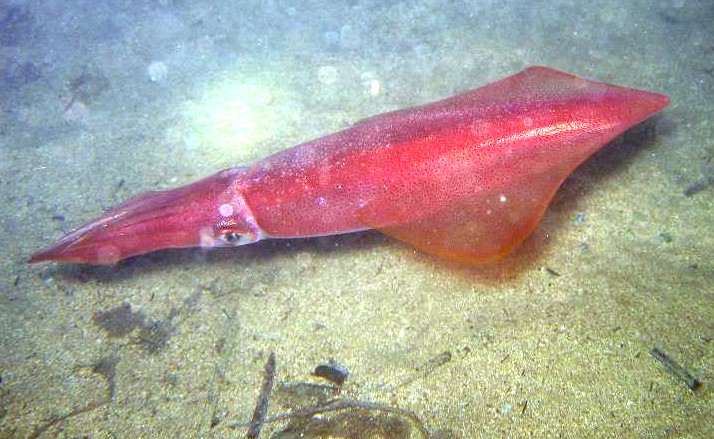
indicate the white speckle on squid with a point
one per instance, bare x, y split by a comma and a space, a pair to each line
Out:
321, 201
225, 210
502, 198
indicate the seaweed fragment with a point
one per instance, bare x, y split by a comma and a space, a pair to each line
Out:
357, 425
328, 416
352, 418
300, 394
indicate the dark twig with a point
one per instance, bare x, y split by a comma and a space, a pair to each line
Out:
675, 369
261, 406
426, 369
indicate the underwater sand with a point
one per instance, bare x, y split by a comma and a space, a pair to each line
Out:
99, 102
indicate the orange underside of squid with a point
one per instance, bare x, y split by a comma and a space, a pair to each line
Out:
465, 179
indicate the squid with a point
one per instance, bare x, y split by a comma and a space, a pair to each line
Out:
466, 179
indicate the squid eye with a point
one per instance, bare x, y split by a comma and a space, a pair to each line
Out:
231, 236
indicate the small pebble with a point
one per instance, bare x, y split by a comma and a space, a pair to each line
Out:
331, 372
579, 218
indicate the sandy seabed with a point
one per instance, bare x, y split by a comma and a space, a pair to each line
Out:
100, 102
